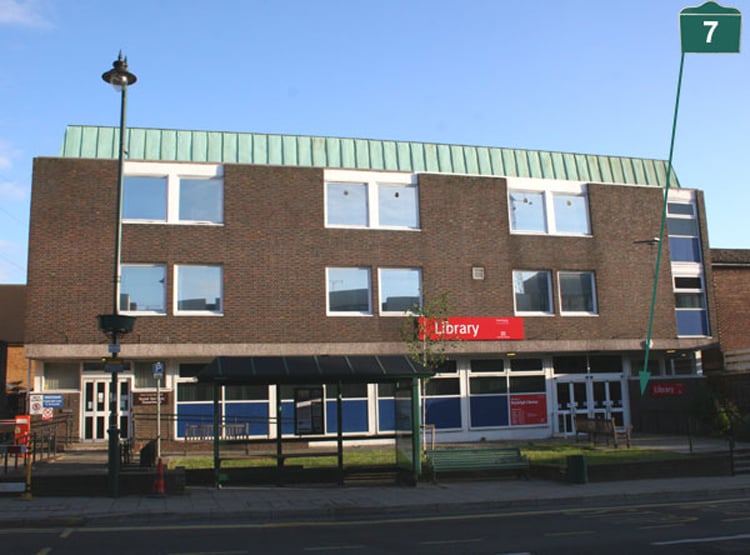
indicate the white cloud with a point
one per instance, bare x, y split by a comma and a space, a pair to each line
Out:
12, 191
24, 13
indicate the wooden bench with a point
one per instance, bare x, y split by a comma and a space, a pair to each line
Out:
462, 460
595, 427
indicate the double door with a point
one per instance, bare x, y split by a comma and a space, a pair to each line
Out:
96, 408
591, 395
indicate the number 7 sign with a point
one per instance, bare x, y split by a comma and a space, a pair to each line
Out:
710, 28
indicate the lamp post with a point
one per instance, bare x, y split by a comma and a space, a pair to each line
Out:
114, 325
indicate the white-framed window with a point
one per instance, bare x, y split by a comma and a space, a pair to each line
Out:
173, 193
532, 290
577, 293
400, 290
690, 306
683, 231
198, 289
551, 207
348, 292
143, 288
365, 199
61, 375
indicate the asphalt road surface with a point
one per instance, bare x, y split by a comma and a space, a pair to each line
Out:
703, 526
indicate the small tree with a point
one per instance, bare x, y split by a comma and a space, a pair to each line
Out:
424, 346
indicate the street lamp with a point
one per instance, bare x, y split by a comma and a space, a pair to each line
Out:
115, 325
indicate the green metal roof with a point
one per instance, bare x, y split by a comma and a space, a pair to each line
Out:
170, 145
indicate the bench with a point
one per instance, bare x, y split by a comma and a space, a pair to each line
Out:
606, 427
462, 460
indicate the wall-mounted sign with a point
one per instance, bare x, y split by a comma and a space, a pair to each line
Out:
149, 398
528, 409
676, 389
52, 401
471, 329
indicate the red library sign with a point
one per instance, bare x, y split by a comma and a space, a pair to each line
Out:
471, 329
676, 389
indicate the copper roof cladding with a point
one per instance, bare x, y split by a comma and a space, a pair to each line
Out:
171, 145
12, 313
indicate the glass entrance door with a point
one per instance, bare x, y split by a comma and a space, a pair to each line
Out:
591, 395
96, 403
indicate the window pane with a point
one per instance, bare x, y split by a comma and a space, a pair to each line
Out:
528, 384
571, 214
527, 211
61, 375
142, 288
400, 289
689, 300
532, 292
187, 392
680, 208
144, 198
199, 288
346, 204
603, 364
487, 365
525, 364
442, 386
201, 200
683, 249
349, 290
577, 292
144, 375
397, 205
682, 226
688, 283
479, 386
691, 322
575, 364
246, 393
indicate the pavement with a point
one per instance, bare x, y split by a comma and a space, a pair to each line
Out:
330, 502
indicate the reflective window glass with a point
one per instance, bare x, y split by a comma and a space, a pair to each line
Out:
532, 291
199, 288
142, 288
571, 213
397, 205
527, 211
347, 204
577, 292
201, 200
400, 289
144, 198
349, 290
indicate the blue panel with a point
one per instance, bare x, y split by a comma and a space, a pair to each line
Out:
489, 411
386, 415
255, 413
691, 322
444, 413
193, 413
353, 415
287, 418
684, 249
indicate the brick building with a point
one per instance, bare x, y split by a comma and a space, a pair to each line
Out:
14, 369
265, 245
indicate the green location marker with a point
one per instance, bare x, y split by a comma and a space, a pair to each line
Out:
710, 28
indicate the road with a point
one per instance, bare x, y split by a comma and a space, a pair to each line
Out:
703, 526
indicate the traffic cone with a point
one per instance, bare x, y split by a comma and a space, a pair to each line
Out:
159, 480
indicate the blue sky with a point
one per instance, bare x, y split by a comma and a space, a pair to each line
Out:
589, 76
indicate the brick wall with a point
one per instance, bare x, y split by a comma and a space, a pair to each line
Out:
731, 282
274, 249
